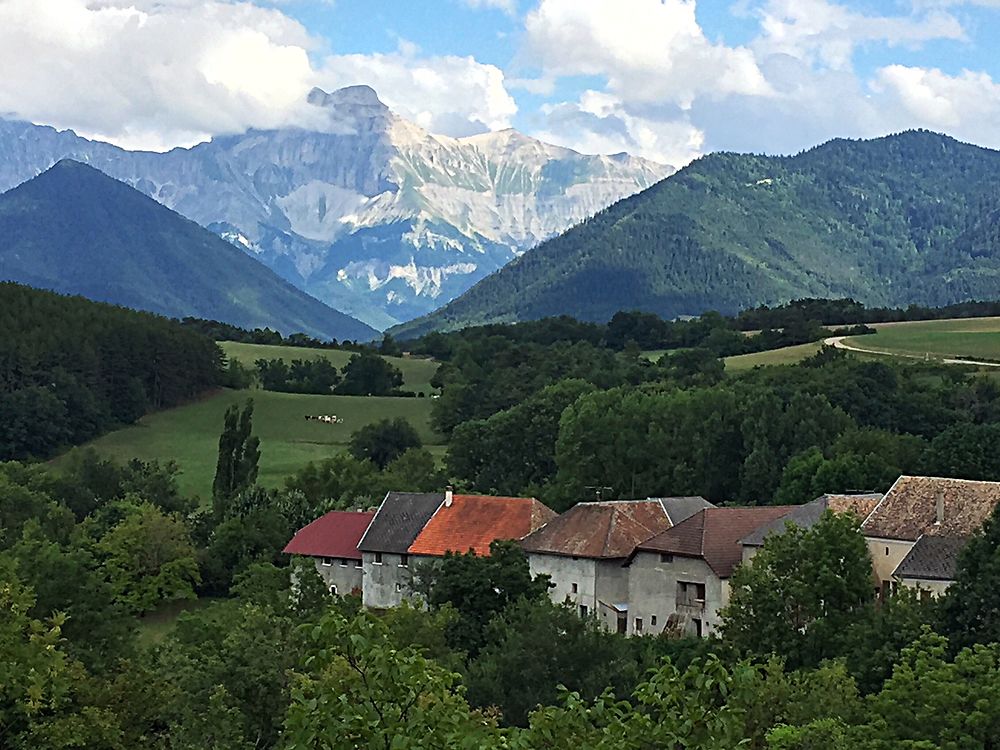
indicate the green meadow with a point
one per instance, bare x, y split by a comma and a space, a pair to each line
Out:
189, 434
787, 355
977, 338
417, 371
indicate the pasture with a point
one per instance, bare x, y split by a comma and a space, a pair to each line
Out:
417, 372
788, 355
189, 434
977, 338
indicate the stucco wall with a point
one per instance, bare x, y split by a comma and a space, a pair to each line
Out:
653, 593
564, 572
886, 556
386, 584
346, 577
933, 588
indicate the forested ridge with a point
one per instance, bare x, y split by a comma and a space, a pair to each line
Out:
909, 218
71, 369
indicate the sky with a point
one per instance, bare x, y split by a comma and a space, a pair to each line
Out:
668, 80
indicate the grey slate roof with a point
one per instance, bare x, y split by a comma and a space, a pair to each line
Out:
682, 508
805, 516
398, 521
933, 558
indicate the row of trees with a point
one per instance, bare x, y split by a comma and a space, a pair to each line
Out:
365, 374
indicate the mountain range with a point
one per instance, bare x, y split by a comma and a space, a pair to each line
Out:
73, 229
363, 210
908, 218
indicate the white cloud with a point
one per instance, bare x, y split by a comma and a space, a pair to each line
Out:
444, 94
818, 31
161, 73
651, 50
507, 6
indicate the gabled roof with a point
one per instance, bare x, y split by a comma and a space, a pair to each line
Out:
910, 508
714, 535
933, 558
805, 516
600, 530
472, 522
398, 521
682, 508
334, 535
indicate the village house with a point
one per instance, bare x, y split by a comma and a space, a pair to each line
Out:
411, 527
331, 541
807, 515
583, 551
679, 579
916, 508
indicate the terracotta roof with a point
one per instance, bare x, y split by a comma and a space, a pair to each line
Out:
714, 535
933, 558
806, 515
398, 520
910, 508
471, 522
334, 535
600, 529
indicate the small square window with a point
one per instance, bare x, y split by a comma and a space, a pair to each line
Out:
327, 561
665, 558
378, 558
652, 621
343, 562
404, 560
358, 565
575, 588
399, 587
333, 589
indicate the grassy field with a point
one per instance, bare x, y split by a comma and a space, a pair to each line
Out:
190, 434
973, 337
417, 372
154, 627
788, 355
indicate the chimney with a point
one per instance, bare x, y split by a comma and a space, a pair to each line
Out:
940, 509
448, 496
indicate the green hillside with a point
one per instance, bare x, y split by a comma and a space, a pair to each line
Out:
189, 434
909, 218
75, 230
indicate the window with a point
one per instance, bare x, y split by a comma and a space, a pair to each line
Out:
404, 560
333, 589
575, 588
697, 627
357, 565
327, 561
886, 551
638, 624
583, 610
652, 621
378, 558
343, 562
690, 594
399, 587
665, 558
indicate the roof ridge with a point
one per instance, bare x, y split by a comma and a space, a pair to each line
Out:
607, 536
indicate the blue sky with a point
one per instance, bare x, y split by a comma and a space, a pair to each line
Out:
666, 79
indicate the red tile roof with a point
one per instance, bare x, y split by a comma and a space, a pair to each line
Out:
600, 530
473, 521
334, 535
714, 535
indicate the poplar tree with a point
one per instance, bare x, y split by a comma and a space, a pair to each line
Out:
239, 454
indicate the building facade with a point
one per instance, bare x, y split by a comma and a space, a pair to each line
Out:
331, 542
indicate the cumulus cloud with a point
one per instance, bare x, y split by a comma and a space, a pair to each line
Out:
507, 6
161, 73
444, 94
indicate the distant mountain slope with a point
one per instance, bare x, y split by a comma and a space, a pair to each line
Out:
75, 230
367, 211
909, 218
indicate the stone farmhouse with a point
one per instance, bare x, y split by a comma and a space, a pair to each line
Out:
332, 543
645, 566
583, 551
918, 529
409, 527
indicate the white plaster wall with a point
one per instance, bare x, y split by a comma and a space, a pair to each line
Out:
933, 588
385, 585
347, 578
653, 591
564, 572
886, 556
